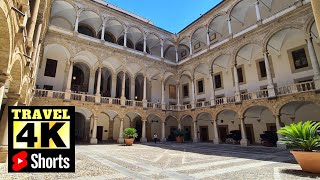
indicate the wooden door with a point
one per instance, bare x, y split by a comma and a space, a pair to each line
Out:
99, 133
204, 133
223, 132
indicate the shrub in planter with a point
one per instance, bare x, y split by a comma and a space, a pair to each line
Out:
129, 134
179, 134
304, 136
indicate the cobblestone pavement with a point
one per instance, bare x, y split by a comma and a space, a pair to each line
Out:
176, 161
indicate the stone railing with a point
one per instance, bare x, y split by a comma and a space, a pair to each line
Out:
262, 94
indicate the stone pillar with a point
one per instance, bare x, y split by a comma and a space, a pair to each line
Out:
216, 139
98, 82
145, 44
144, 88
143, 136
271, 91
208, 37
195, 131
280, 144
229, 26
34, 17
177, 56
92, 78
123, 86
190, 47
193, 102
69, 81
12, 100
125, 38
163, 104
314, 62
3, 81
258, 14
103, 30
76, 26
161, 53
120, 139
93, 139
36, 43
178, 94
179, 125
114, 85
244, 140
213, 90
163, 132
236, 83
132, 91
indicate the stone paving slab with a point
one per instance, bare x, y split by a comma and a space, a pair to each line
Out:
176, 161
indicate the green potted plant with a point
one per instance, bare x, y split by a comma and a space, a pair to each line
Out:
306, 138
179, 134
129, 134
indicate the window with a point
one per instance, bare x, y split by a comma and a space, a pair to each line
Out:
51, 67
47, 87
172, 91
240, 74
185, 90
263, 71
218, 81
299, 58
200, 86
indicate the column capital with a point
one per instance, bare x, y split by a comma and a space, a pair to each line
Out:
308, 36
266, 52
13, 96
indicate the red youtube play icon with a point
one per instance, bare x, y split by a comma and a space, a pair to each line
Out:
19, 160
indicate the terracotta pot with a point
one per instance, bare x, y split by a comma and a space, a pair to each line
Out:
129, 142
179, 139
308, 161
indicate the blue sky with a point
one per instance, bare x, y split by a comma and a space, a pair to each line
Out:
171, 15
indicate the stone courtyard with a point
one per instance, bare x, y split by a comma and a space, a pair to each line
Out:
176, 161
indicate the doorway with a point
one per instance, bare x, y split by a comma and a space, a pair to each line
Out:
204, 134
223, 132
187, 130
99, 133
249, 133
139, 130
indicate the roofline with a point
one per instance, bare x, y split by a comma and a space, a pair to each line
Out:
201, 16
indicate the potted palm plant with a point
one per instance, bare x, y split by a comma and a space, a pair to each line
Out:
129, 134
305, 137
179, 134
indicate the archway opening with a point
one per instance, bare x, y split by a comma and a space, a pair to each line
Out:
80, 77
80, 126
228, 127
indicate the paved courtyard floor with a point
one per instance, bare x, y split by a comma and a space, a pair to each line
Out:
176, 161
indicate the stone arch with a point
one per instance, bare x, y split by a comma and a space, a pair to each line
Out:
279, 104
17, 73
83, 124
243, 44
6, 37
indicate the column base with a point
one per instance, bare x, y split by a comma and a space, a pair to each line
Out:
244, 142
93, 141
271, 92
163, 106
216, 141
120, 140
3, 154
238, 98
143, 140
212, 102
281, 145
195, 140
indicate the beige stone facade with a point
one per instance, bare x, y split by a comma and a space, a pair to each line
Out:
119, 70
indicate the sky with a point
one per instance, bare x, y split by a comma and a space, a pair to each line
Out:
171, 15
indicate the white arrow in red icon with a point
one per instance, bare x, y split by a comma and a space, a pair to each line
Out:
19, 161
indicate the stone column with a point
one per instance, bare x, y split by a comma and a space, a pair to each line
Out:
314, 62
244, 140
12, 100
120, 139
193, 102
280, 143
163, 132
256, 4
98, 82
144, 88
208, 37
161, 53
69, 81
236, 83
103, 30
93, 139
163, 104
195, 131
132, 91
179, 125
177, 55
316, 12
145, 44
213, 90
190, 46
76, 26
125, 38
178, 94
92, 78
113, 86
3, 81
123, 86
229, 26
34, 17
271, 91
36, 43
216, 139
143, 136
